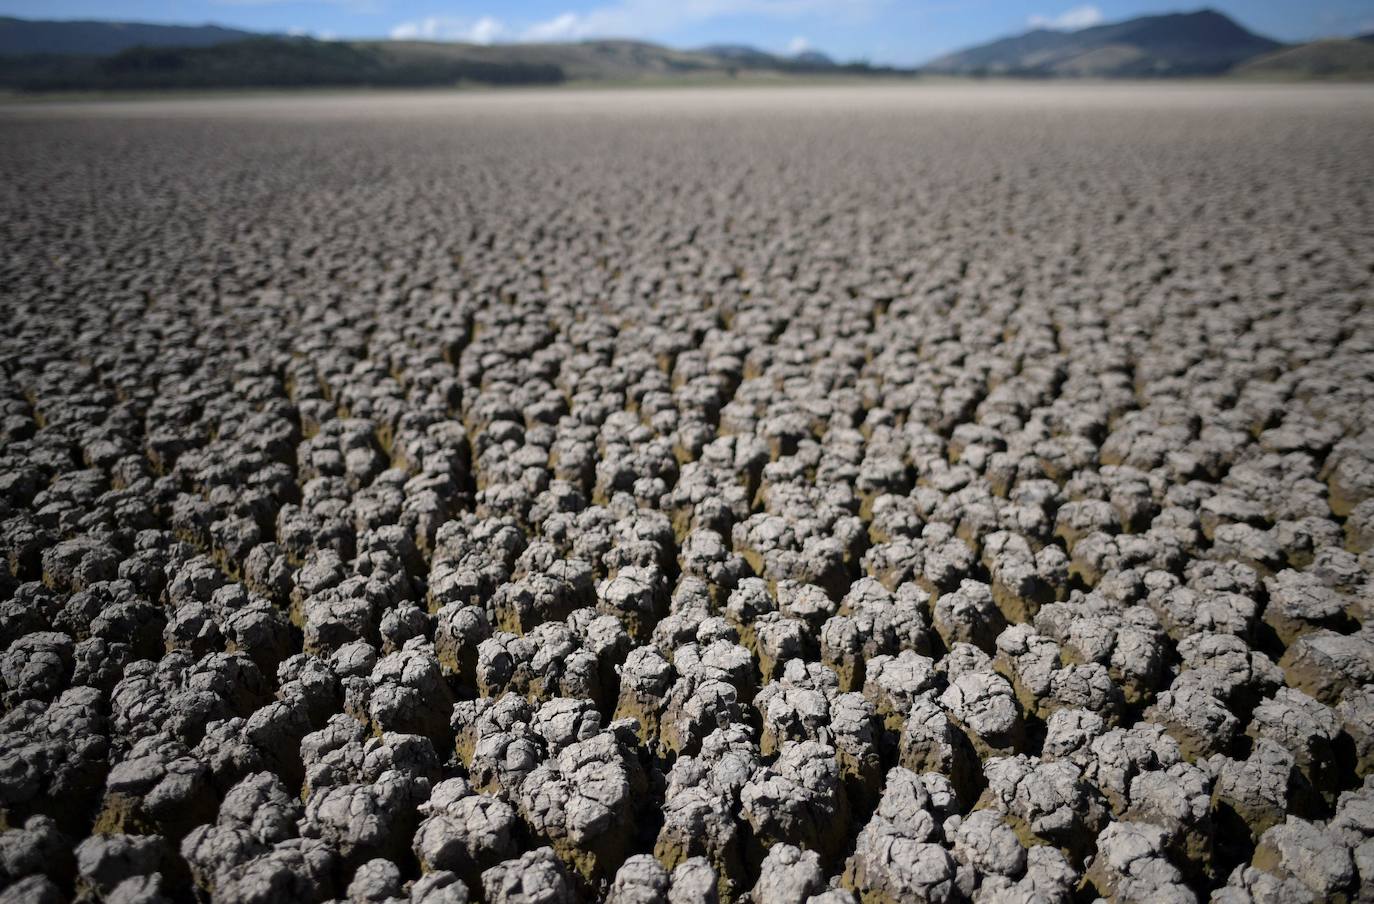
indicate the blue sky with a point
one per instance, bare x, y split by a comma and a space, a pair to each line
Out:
884, 31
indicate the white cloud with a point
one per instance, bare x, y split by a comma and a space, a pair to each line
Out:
646, 18
1071, 19
567, 27
798, 45
486, 30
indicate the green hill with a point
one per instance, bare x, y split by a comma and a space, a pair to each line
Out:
265, 63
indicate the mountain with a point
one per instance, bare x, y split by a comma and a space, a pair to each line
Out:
814, 58
30, 36
1335, 59
1176, 44
754, 58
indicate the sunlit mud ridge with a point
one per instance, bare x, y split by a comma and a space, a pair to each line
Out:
828, 496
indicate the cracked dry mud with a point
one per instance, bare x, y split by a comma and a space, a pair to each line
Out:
786, 495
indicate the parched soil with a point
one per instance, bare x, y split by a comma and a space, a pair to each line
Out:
799, 494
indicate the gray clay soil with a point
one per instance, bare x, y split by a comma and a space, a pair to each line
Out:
934, 493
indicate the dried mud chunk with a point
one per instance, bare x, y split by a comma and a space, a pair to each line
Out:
1069, 734
693, 709
1240, 676
646, 678
566, 720
985, 842
1200, 723
407, 693
1085, 687
104, 861
984, 705
463, 832
854, 730
1308, 730
37, 666
1023, 579
969, 615
1084, 517
889, 867
1356, 712
36, 846
1184, 611
1048, 877
78, 563
375, 881
334, 618
502, 760
439, 888
700, 823
402, 624
1301, 850
1324, 664
1030, 660
1300, 603
799, 800
693, 881
1350, 477
637, 596
842, 651
1129, 642
893, 683
157, 789
640, 880
930, 742
257, 629
54, 761
1258, 789
807, 602
947, 560
791, 713
1248, 885
1130, 866
300, 869
32, 890
261, 806
788, 874
458, 632
1359, 527
1178, 799
582, 803
524, 604
536, 877
558, 666
1045, 802
363, 821
1121, 755
778, 639
1248, 545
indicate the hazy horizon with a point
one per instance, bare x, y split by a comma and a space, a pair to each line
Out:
881, 31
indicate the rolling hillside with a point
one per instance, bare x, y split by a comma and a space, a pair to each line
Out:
270, 61
1333, 59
